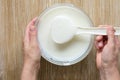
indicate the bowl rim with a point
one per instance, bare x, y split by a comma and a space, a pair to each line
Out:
65, 63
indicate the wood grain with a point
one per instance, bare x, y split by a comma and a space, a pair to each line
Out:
15, 15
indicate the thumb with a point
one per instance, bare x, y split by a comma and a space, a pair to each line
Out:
33, 35
111, 36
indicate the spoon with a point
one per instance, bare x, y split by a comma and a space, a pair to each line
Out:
64, 34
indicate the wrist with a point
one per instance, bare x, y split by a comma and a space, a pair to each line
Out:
30, 70
109, 69
109, 65
31, 65
110, 73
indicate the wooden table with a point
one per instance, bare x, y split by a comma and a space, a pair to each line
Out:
15, 15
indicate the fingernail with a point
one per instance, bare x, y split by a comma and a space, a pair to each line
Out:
111, 29
100, 44
34, 20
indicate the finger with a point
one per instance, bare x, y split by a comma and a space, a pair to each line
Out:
99, 41
27, 38
111, 36
99, 38
32, 23
117, 42
33, 35
99, 45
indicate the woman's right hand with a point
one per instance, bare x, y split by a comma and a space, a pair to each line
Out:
108, 49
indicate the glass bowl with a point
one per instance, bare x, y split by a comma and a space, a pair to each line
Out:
71, 52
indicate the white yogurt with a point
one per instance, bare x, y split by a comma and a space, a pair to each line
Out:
72, 51
62, 30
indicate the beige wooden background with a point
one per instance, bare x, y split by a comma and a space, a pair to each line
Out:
15, 15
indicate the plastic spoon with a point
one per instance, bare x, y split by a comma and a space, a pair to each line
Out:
66, 33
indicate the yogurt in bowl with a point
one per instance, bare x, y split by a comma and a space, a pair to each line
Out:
70, 52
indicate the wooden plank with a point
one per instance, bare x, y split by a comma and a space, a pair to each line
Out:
15, 15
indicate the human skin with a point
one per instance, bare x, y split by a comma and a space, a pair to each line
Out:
108, 48
32, 54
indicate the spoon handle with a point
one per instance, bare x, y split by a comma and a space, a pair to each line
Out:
95, 30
